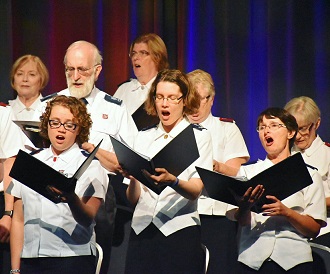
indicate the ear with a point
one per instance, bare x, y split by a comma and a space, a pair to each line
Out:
212, 100
317, 124
97, 72
291, 134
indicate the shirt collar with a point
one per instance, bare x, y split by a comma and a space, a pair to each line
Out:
160, 132
66, 156
22, 107
138, 86
314, 146
91, 97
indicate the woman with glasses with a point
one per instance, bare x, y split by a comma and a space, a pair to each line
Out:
276, 240
48, 237
165, 235
314, 151
148, 55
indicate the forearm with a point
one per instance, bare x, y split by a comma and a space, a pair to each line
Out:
327, 200
243, 216
189, 189
84, 211
17, 235
9, 200
133, 191
107, 159
304, 224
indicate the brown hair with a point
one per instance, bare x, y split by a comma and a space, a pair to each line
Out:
156, 45
41, 68
79, 111
190, 96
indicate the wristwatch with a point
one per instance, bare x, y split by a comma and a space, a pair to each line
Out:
8, 213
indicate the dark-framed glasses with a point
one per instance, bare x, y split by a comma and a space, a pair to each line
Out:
67, 125
141, 53
272, 127
172, 99
81, 70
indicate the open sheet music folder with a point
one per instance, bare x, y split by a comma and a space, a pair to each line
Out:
37, 175
175, 157
280, 180
31, 129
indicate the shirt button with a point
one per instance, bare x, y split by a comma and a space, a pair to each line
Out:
165, 136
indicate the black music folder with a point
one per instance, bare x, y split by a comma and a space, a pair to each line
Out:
175, 157
37, 175
280, 180
31, 129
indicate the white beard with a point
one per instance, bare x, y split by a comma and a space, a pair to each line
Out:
83, 91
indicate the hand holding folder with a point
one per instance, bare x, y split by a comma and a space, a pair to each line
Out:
280, 180
175, 157
38, 176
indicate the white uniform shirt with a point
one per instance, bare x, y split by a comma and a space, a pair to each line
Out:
318, 155
227, 143
50, 229
11, 137
21, 112
133, 94
109, 116
274, 237
169, 211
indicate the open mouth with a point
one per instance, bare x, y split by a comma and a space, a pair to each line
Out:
269, 141
60, 137
137, 66
165, 113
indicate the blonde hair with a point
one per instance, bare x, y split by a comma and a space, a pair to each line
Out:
199, 76
41, 68
305, 107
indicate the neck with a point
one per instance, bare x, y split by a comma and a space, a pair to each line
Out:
279, 157
28, 101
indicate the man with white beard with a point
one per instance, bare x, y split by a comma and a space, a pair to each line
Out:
83, 64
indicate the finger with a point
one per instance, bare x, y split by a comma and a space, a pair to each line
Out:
273, 198
146, 173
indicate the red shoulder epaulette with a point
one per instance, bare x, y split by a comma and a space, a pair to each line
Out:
226, 120
327, 144
2, 104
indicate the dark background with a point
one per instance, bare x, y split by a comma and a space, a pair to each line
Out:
260, 53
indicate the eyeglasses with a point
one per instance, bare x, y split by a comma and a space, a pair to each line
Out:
272, 127
141, 53
171, 99
67, 125
81, 70
305, 129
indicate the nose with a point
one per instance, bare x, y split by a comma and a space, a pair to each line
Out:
25, 77
76, 75
267, 129
165, 103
